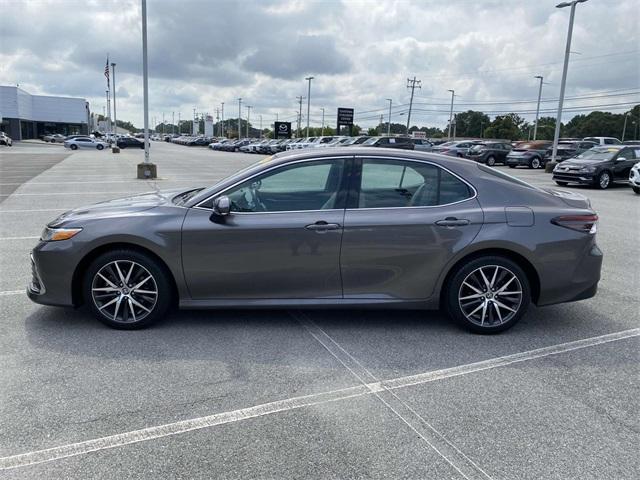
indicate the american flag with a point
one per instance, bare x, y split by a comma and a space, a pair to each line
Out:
106, 71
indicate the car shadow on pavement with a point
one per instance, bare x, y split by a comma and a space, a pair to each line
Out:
226, 334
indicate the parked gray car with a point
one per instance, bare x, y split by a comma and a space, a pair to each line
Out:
343, 227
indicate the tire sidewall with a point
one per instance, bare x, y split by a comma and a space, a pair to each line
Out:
73, 147
100, 147
160, 275
454, 283
600, 175
532, 162
491, 160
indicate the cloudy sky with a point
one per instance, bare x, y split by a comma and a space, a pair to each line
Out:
202, 53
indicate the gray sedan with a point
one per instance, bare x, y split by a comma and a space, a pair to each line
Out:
343, 227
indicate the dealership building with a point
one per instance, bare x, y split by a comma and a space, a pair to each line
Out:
24, 116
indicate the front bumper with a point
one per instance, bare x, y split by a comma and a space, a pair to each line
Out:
569, 177
634, 178
52, 279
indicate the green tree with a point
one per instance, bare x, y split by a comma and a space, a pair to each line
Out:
546, 128
470, 123
506, 127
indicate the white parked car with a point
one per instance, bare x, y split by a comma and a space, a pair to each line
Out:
5, 139
634, 178
85, 142
603, 140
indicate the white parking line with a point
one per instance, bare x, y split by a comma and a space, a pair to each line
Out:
48, 194
36, 210
12, 292
145, 434
19, 238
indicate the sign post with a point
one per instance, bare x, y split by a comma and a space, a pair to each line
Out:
282, 130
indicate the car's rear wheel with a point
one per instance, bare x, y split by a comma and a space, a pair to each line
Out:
52, 141
491, 161
603, 181
99, 147
127, 289
562, 184
74, 147
488, 295
535, 163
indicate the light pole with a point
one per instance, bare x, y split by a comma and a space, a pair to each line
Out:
239, 117
308, 101
322, 121
115, 121
260, 125
453, 94
179, 126
222, 120
173, 123
249, 107
535, 128
389, 120
146, 169
567, 52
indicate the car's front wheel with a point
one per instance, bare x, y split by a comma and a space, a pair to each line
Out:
636, 190
603, 181
100, 147
491, 161
74, 147
127, 289
488, 295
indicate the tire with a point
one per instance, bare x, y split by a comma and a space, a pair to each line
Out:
485, 314
52, 141
512, 166
73, 147
491, 161
143, 305
535, 163
636, 190
562, 184
603, 181
99, 147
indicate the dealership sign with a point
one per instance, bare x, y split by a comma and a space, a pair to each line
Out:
345, 116
282, 130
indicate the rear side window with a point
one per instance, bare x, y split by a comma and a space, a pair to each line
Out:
396, 184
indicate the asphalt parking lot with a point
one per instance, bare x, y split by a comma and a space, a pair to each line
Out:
315, 394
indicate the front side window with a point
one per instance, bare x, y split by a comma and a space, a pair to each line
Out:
396, 183
304, 186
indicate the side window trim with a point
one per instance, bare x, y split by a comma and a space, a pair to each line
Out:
356, 181
341, 193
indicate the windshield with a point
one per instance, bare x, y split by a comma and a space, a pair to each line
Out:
598, 154
371, 141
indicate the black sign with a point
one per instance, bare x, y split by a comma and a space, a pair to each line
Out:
282, 130
345, 116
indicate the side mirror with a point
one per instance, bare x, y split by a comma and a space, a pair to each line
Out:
620, 159
221, 208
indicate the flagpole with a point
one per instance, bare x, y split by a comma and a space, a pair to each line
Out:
115, 121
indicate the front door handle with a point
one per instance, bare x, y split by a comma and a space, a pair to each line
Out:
452, 222
322, 226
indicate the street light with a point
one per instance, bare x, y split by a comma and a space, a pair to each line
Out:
535, 127
453, 94
389, 121
567, 52
145, 169
308, 101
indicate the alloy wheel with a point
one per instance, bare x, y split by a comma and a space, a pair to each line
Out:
491, 161
535, 163
604, 179
490, 296
124, 291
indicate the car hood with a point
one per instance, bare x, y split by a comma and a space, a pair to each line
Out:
581, 163
118, 207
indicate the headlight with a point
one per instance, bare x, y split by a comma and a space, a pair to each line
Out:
587, 169
55, 234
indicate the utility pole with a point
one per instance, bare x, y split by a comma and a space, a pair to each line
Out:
308, 101
389, 121
453, 94
556, 135
412, 84
222, 119
173, 123
455, 126
193, 123
239, 117
249, 107
300, 113
323, 121
535, 127
624, 127
108, 111
115, 121
162, 123
218, 120
179, 126
381, 121
260, 125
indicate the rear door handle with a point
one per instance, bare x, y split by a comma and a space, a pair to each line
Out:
322, 226
453, 222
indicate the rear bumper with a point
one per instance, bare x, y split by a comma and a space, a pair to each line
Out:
518, 161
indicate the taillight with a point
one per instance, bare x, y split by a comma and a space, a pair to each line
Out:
580, 223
